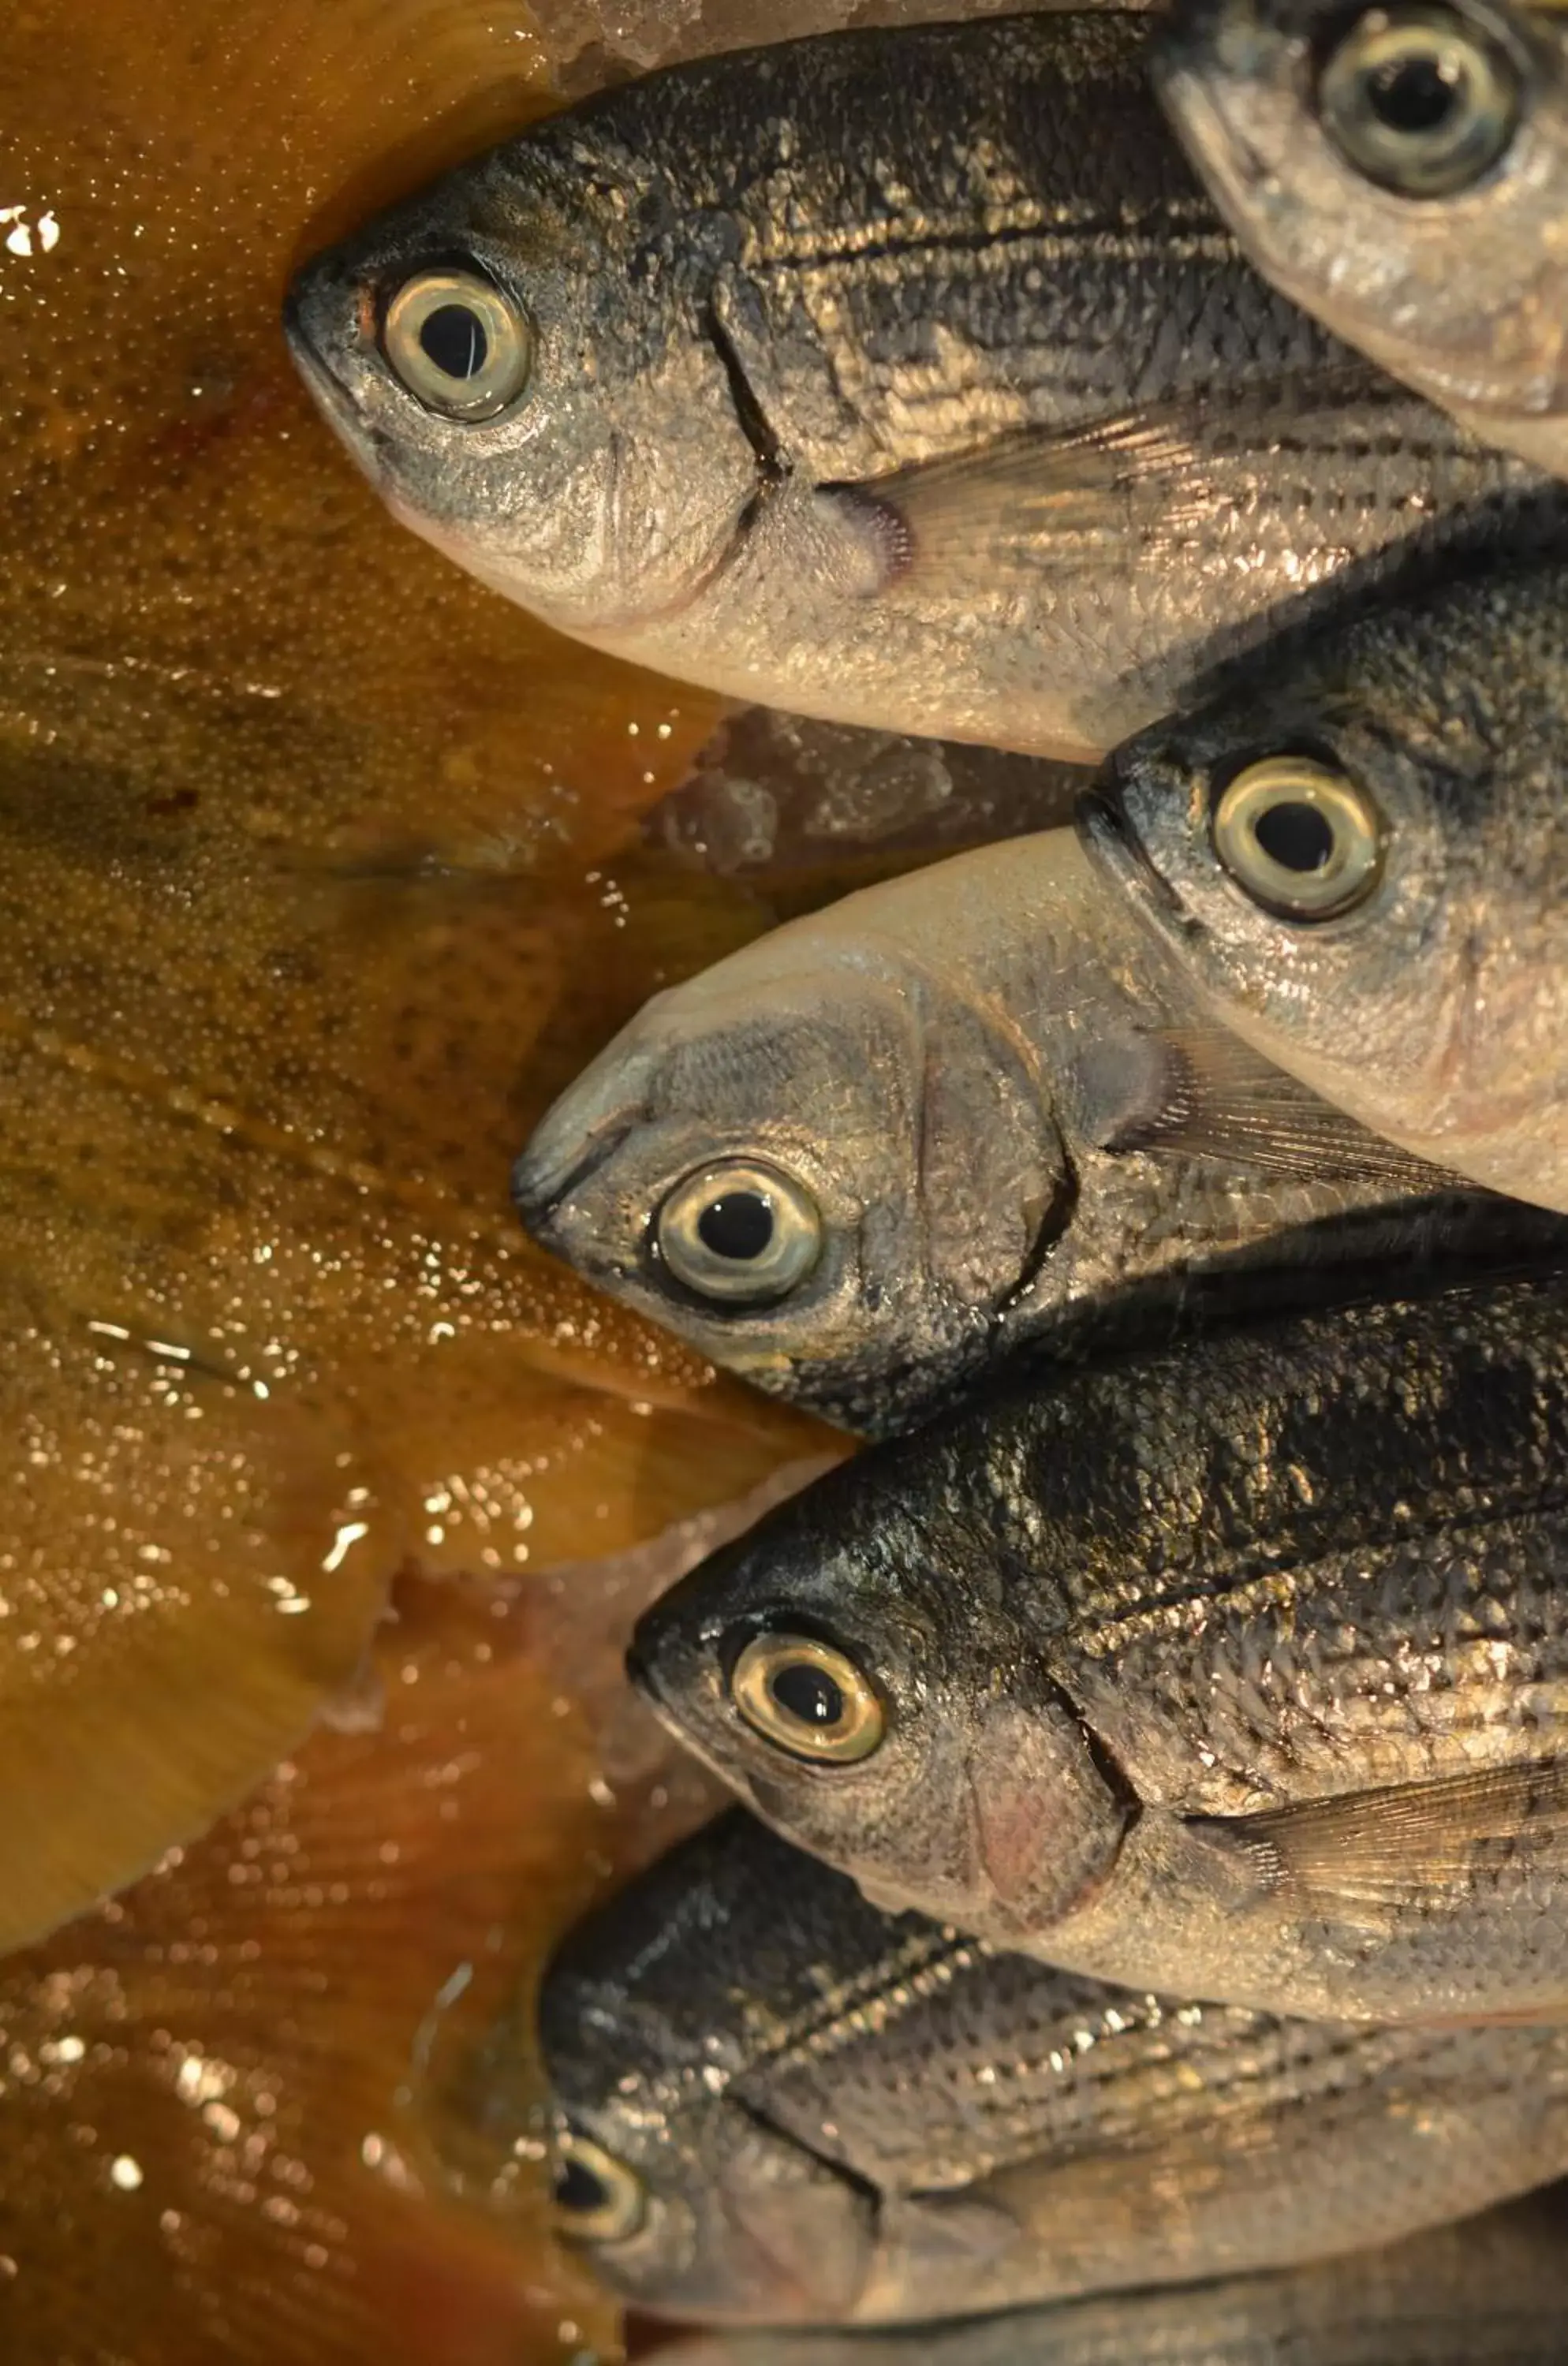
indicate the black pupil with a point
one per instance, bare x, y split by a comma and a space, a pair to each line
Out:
1413, 95
807, 1694
738, 1225
1295, 836
578, 2190
453, 339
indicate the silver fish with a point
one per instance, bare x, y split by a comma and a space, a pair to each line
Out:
1490, 2292
964, 1111
1238, 1670
1359, 857
901, 377
774, 2103
1402, 171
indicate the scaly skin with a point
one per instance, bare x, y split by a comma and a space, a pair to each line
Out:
842, 2115
761, 286
1240, 1668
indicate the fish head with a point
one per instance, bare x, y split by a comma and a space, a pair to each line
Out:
715, 2216
853, 1669
812, 1163
682, 2193
1307, 850
1401, 172
517, 360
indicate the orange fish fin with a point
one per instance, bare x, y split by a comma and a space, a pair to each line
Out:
220, 1573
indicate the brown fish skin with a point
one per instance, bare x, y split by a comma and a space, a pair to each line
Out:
1435, 1009
1490, 2292
830, 2114
832, 403
1461, 294
1236, 1671
1011, 1120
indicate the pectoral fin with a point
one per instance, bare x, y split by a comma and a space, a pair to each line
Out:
1202, 1093
1373, 1857
1104, 492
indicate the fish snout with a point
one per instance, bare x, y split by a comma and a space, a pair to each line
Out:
539, 1187
328, 330
571, 1146
662, 1663
565, 1152
1116, 847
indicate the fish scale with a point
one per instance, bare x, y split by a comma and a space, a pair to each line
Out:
1493, 2291
770, 303
833, 2112
1149, 1706
1458, 290
1432, 1003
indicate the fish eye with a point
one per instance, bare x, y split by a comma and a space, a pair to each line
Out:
458, 344
1301, 838
807, 1698
740, 1231
1419, 100
595, 2198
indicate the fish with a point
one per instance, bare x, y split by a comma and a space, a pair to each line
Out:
1490, 2292
963, 1115
771, 2102
1238, 1669
901, 377
1402, 175
1360, 859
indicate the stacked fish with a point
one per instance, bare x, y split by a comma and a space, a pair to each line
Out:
1153, 1876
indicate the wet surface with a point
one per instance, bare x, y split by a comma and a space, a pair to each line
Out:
322, 871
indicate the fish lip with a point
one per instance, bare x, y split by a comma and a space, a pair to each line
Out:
1183, 34
1117, 851
332, 392
540, 1189
641, 1661
308, 358
1187, 60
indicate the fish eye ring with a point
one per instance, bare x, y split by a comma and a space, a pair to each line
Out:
459, 345
595, 2198
808, 1699
1419, 99
740, 1231
1299, 836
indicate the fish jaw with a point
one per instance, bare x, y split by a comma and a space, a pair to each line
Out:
313, 316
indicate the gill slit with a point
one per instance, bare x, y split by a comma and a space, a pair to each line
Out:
771, 467
773, 471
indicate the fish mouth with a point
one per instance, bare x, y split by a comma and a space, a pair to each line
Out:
1119, 853
646, 1660
311, 331
309, 358
642, 1660
1200, 61
544, 1178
